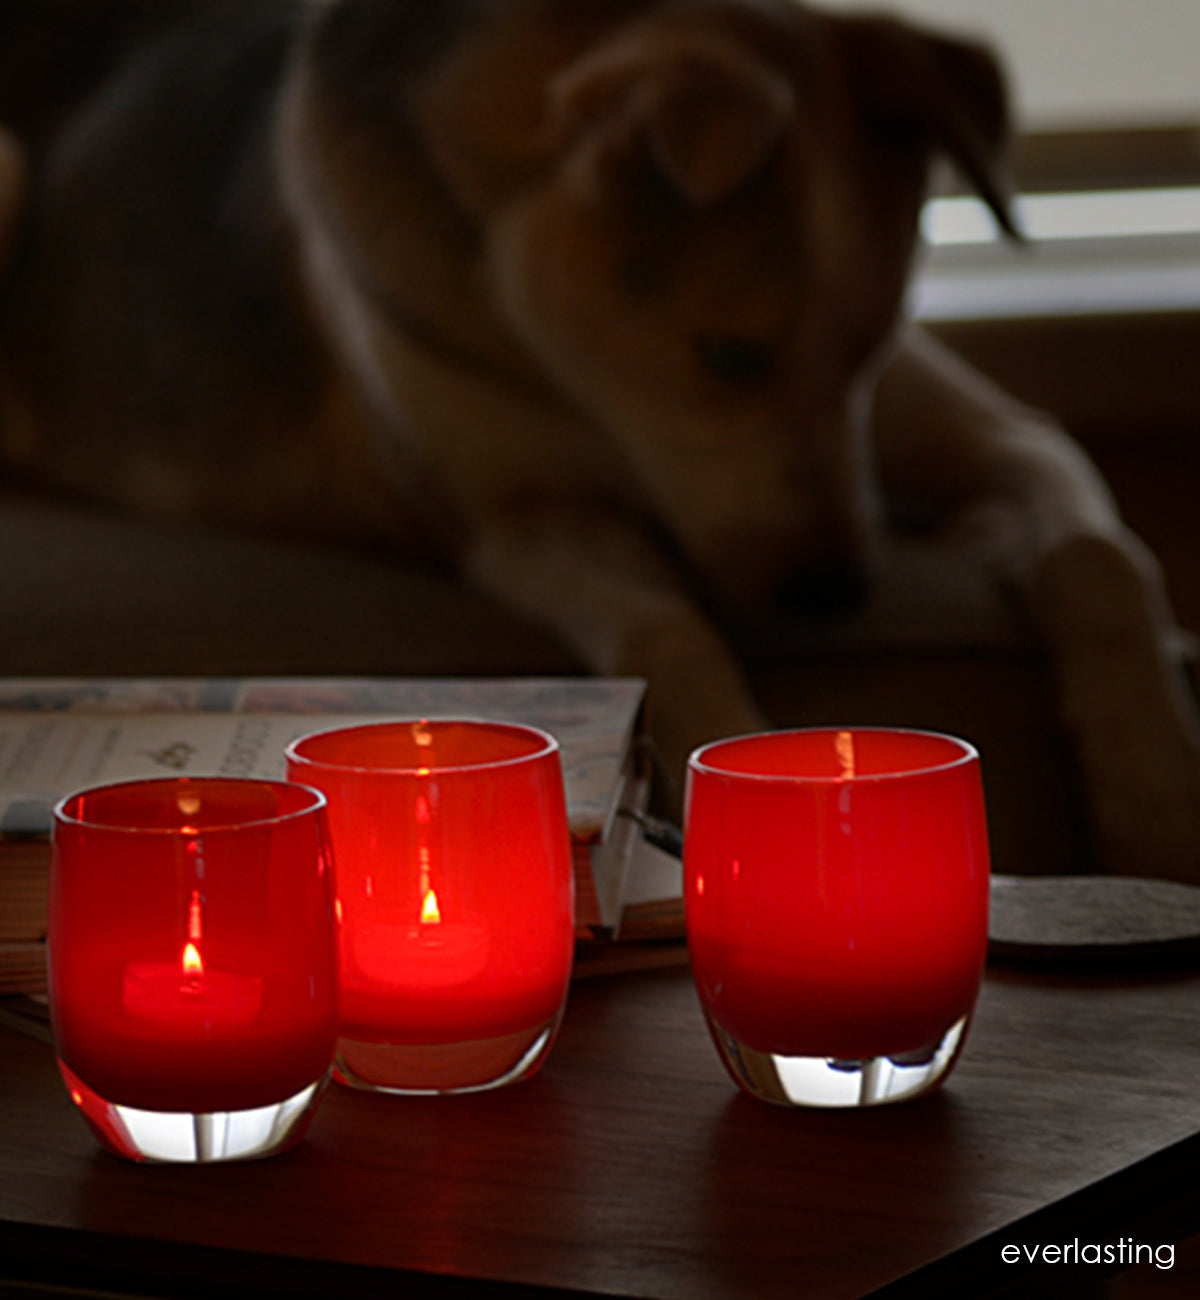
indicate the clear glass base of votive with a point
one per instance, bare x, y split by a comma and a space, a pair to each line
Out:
181, 1137
829, 1082
424, 1069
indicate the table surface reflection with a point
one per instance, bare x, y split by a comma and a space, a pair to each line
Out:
630, 1166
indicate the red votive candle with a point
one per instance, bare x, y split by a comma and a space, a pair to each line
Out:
455, 897
836, 895
192, 964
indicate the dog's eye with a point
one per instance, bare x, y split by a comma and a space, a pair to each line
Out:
744, 362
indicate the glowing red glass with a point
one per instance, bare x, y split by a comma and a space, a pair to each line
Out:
836, 892
455, 896
192, 964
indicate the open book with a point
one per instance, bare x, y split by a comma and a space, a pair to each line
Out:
58, 736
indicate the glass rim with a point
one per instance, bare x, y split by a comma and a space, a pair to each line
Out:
61, 816
548, 745
965, 753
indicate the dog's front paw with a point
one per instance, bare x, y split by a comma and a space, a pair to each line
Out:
679, 725
1144, 795
697, 693
1127, 704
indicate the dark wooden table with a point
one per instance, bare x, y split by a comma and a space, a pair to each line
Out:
632, 1167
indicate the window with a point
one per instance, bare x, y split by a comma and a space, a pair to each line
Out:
1084, 65
1098, 318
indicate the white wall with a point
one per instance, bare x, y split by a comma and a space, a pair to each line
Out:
1083, 63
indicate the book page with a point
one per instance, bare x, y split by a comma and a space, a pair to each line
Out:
60, 735
594, 720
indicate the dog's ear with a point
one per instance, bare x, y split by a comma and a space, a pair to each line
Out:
709, 114
935, 92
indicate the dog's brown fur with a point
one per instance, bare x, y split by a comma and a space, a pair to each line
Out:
600, 298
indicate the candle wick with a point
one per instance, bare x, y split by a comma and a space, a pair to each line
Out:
195, 923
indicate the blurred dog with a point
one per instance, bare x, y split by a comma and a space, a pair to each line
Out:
600, 298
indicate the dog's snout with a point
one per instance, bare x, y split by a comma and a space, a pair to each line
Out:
831, 589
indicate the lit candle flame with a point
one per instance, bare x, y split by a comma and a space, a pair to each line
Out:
192, 962
844, 747
429, 909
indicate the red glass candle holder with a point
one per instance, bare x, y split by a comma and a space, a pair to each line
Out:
455, 895
192, 964
836, 899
